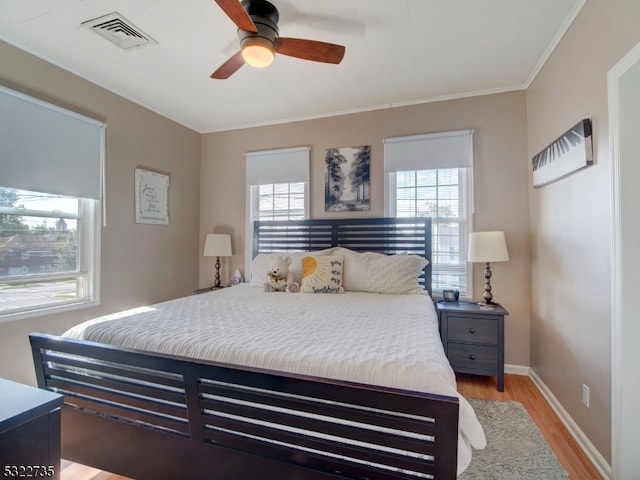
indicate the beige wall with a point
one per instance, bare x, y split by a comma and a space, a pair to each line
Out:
140, 264
500, 182
570, 219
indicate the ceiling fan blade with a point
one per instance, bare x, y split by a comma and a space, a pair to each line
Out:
235, 11
229, 67
310, 50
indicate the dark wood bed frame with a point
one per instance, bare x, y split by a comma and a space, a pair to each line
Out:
154, 416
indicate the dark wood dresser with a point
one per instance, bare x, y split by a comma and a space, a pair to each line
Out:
29, 432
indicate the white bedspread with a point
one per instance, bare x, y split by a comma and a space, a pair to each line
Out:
388, 340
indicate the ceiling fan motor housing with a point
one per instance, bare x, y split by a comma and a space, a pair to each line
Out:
265, 16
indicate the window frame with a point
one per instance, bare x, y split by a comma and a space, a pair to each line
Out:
255, 200
41, 144
465, 181
272, 167
253, 194
87, 275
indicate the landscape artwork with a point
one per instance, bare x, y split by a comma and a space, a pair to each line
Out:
347, 185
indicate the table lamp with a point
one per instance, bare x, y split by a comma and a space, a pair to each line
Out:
487, 247
217, 245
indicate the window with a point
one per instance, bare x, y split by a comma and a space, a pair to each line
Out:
50, 190
42, 260
279, 201
430, 176
277, 189
439, 194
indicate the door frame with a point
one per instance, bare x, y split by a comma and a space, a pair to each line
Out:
623, 331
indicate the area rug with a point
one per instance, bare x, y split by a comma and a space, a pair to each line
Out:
516, 450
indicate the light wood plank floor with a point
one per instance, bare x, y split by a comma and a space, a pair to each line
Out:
517, 387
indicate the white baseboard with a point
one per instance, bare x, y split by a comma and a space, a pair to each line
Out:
587, 447
517, 370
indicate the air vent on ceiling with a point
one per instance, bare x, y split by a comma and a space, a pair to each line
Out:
120, 31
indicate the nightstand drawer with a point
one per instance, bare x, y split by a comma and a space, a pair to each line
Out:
473, 358
473, 330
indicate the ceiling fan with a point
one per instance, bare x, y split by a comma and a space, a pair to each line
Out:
257, 22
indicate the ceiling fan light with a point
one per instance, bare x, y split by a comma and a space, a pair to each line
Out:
258, 52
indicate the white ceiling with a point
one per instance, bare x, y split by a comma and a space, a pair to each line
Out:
398, 52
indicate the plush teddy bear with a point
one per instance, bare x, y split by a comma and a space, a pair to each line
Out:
279, 278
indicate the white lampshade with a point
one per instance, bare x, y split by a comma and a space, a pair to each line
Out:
217, 245
488, 247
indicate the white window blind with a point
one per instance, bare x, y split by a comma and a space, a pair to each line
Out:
44, 148
286, 165
433, 150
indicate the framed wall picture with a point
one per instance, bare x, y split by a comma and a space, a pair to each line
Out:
152, 197
347, 185
570, 152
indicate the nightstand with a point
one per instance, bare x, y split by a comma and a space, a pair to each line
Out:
473, 338
29, 431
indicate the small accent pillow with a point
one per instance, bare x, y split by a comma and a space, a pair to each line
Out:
379, 273
322, 274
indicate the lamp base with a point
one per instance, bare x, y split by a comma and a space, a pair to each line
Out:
216, 283
487, 295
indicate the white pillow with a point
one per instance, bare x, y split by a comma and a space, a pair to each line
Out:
322, 274
380, 273
260, 266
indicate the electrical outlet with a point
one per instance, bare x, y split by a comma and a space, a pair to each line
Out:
586, 393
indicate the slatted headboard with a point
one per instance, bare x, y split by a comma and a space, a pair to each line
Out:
382, 235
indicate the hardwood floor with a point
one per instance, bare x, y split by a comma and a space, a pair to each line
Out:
517, 387
75, 471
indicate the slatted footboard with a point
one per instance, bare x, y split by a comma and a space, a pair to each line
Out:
154, 416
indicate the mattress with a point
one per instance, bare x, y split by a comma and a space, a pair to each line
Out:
377, 339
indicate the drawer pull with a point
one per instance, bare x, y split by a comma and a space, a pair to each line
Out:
472, 330
472, 356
